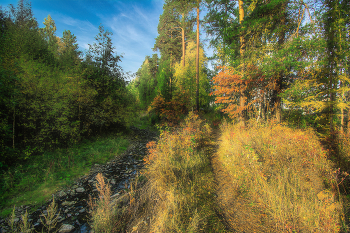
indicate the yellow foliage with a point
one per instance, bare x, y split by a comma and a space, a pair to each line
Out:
185, 77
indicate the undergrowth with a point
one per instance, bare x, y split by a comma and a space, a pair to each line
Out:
34, 182
277, 180
178, 194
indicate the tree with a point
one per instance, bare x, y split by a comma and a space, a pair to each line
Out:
185, 82
69, 53
147, 76
48, 33
175, 16
197, 59
168, 41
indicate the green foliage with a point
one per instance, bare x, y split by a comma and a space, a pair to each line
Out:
147, 80
28, 183
164, 80
49, 98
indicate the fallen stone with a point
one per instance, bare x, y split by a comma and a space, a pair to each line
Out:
80, 190
68, 203
62, 194
66, 228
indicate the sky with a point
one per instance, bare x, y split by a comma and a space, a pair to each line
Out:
132, 22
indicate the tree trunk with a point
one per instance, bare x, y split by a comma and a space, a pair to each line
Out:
197, 61
241, 51
278, 84
183, 39
331, 61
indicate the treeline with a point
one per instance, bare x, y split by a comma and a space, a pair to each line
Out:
281, 60
50, 95
176, 82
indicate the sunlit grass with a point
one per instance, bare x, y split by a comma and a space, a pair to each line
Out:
102, 215
178, 194
35, 181
276, 180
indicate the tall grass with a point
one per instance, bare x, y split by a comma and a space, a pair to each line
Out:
178, 194
102, 214
277, 180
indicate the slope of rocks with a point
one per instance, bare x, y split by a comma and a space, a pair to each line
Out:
72, 204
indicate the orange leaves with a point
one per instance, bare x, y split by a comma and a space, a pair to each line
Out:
231, 89
152, 151
227, 87
170, 111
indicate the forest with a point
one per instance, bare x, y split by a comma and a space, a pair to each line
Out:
260, 143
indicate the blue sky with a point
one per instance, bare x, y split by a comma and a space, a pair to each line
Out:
132, 22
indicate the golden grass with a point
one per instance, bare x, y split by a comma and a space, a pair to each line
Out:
178, 194
275, 179
102, 215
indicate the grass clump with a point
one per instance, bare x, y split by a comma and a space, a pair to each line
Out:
102, 215
277, 180
178, 192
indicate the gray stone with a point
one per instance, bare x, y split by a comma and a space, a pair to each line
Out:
80, 190
66, 228
62, 194
68, 203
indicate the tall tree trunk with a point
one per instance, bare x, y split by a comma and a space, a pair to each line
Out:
183, 39
241, 51
331, 60
278, 82
197, 61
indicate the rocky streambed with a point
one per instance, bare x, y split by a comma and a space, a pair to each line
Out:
72, 202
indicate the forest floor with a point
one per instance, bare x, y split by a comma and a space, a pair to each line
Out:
118, 158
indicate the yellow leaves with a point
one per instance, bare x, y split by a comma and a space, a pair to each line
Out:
185, 76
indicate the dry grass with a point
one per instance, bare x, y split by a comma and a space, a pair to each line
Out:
178, 194
51, 218
276, 179
102, 215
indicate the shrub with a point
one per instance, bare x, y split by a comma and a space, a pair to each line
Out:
280, 180
102, 215
170, 112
